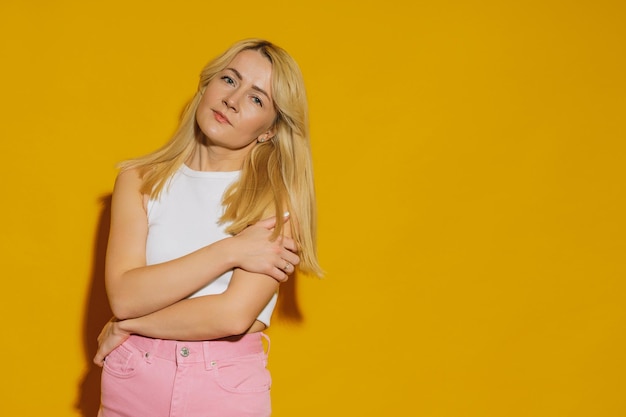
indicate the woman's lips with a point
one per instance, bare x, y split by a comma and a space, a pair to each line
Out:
220, 117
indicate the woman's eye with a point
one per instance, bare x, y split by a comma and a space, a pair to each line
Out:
257, 101
228, 80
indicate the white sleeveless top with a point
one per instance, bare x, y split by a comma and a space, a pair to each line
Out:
185, 218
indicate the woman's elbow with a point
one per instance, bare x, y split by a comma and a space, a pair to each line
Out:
239, 323
123, 308
120, 311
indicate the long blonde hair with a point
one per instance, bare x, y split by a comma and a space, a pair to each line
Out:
277, 175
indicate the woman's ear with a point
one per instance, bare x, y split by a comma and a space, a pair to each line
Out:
266, 136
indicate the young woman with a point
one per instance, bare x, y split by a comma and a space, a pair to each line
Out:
192, 269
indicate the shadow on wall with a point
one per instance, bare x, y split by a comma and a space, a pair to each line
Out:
98, 312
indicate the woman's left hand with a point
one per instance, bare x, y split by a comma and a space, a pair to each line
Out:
110, 337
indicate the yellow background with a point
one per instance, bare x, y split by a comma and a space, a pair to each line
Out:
469, 161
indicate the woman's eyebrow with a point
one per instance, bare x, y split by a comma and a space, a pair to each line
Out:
254, 87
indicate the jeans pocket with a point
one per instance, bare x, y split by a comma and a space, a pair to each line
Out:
244, 374
122, 361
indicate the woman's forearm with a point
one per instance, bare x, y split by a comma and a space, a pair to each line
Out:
209, 317
201, 318
143, 290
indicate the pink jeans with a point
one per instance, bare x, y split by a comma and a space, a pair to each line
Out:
154, 378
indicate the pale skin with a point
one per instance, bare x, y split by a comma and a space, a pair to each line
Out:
235, 113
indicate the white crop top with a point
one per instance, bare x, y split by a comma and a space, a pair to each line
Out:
185, 218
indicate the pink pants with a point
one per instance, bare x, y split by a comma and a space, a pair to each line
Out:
154, 378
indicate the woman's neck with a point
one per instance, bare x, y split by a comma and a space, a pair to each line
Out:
209, 158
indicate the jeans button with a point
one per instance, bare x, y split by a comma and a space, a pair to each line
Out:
184, 352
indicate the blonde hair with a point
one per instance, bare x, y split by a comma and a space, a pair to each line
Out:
277, 175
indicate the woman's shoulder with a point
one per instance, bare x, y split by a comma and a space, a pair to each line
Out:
129, 182
130, 176
128, 186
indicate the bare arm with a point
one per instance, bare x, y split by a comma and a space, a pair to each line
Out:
209, 317
202, 318
136, 290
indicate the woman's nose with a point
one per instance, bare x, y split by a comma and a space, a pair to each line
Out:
231, 101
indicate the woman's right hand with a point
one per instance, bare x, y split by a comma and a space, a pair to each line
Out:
257, 253
110, 337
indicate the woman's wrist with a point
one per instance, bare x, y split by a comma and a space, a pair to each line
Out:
226, 253
123, 327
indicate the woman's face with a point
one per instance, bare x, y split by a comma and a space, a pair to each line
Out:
236, 108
